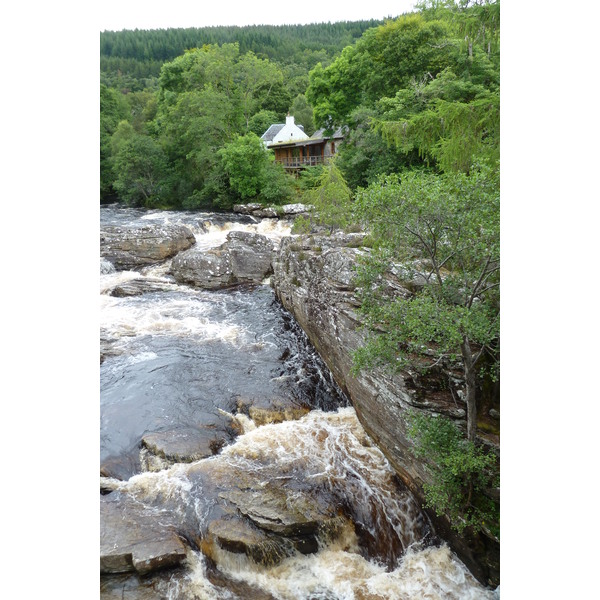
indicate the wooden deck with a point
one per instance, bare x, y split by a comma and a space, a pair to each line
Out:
298, 162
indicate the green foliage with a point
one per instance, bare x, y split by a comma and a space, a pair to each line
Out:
141, 168
262, 120
365, 155
303, 113
301, 225
385, 59
440, 236
123, 133
113, 109
331, 198
131, 59
425, 85
276, 185
455, 134
460, 471
252, 173
244, 160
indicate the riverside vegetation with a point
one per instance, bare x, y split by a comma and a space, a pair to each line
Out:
418, 170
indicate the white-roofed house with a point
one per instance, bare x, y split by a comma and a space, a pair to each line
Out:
294, 149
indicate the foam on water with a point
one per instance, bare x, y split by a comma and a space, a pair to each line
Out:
216, 234
333, 450
156, 315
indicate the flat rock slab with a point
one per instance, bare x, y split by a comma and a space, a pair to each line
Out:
132, 540
264, 416
142, 285
238, 536
183, 445
272, 509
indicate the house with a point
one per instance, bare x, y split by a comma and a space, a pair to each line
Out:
295, 150
287, 132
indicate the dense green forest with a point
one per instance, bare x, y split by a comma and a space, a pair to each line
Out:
181, 115
131, 60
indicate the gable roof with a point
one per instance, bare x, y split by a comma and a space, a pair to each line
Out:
270, 133
338, 133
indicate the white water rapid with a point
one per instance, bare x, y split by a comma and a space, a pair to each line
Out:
176, 358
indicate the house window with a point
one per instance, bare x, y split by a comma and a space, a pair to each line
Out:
332, 148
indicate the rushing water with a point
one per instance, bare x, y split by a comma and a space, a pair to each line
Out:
178, 357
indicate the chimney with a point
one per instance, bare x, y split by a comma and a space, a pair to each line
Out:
289, 120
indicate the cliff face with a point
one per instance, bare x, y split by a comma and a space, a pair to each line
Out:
313, 280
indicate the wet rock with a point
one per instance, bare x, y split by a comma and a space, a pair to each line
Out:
260, 211
314, 279
120, 467
179, 446
246, 209
129, 248
244, 258
264, 416
272, 508
294, 209
132, 540
268, 212
139, 286
207, 269
132, 587
238, 536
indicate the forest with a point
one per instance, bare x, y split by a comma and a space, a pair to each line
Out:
182, 112
419, 92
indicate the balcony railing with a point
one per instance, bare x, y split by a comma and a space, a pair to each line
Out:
305, 161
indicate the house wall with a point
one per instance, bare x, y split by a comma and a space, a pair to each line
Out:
290, 132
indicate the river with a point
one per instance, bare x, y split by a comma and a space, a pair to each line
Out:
177, 359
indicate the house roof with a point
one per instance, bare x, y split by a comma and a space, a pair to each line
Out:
270, 133
338, 133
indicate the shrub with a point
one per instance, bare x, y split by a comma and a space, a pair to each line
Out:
461, 472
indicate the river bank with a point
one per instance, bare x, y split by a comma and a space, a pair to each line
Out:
178, 357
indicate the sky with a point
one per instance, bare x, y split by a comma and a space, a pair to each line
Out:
115, 15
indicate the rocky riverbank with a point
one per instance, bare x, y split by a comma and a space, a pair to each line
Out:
312, 277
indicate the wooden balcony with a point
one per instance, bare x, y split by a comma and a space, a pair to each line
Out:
298, 162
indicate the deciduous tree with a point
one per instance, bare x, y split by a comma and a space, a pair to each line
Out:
444, 232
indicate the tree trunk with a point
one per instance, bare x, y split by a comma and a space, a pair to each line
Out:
471, 384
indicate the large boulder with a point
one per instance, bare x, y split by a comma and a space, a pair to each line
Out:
129, 248
245, 257
251, 255
313, 278
207, 269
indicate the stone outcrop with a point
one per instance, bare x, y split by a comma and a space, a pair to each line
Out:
260, 211
129, 248
139, 286
313, 278
244, 258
